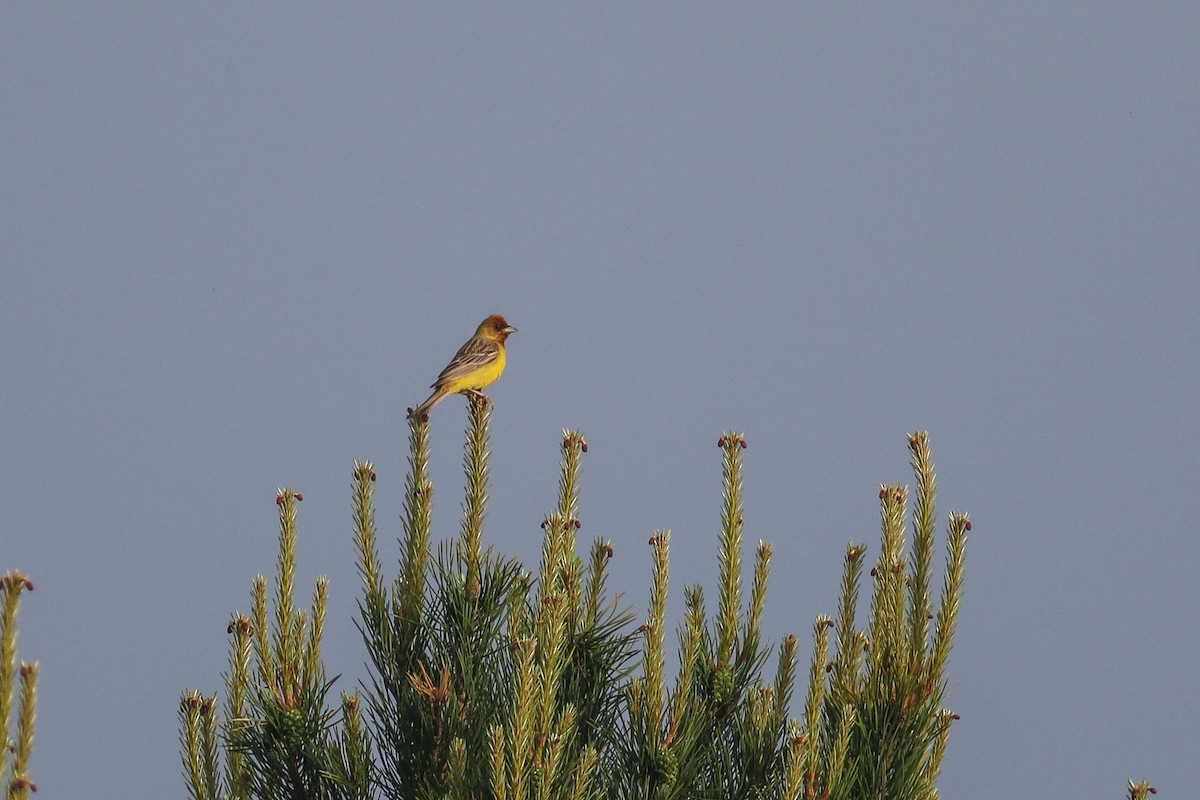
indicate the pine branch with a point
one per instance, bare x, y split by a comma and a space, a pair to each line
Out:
475, 464
729, 609
15, 680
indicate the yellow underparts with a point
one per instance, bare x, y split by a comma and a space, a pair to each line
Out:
479, 379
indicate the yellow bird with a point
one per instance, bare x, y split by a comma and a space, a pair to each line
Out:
475, 366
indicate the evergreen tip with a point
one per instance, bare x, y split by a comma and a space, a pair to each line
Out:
15, 581
572, 438
918, 440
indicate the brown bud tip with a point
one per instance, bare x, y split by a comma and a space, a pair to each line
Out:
874, 571
1152, 790
278, 499
828, 623
955, 716
29, 584
299, 497
882, 494
895, 569
744, 445
828, 668
351, 703
229, 628
608, 551
583, 445
642, 628
721, 442
372, 475
968, 524
578, 524
912, 441
543, 525
653, 541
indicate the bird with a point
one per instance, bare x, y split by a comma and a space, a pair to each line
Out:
475, 366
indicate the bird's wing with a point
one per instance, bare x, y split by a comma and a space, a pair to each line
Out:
475, 354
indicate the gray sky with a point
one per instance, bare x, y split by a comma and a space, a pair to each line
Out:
238, 239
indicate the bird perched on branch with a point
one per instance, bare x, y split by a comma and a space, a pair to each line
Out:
475, 366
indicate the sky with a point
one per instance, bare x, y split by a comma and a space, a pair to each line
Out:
237, 240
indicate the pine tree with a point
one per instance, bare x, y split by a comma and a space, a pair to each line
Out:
490, 682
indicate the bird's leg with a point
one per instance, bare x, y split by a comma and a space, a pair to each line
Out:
477, 396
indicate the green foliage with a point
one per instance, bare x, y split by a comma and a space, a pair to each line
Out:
282, 741
489, 681
15, 680
888, 686
490, 659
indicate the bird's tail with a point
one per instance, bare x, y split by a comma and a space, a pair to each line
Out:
420, 411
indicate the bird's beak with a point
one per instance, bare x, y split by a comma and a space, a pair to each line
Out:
510, 329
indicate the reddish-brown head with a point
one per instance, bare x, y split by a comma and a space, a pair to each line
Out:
495, 327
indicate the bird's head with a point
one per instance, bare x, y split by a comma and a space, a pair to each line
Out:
495, 327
